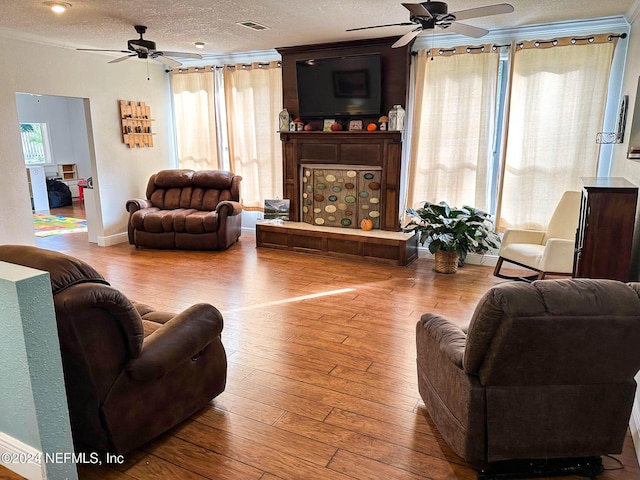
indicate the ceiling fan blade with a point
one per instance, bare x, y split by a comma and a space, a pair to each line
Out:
379, 26
464, 29
122, 59
417, 9
179, 54
407, 37
138, 46
496, 9
102, 50
169, 62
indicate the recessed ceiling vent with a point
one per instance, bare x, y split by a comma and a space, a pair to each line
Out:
253, 25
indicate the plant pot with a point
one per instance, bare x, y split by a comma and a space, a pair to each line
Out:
446, 262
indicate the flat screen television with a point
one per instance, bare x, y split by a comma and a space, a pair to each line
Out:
339, 86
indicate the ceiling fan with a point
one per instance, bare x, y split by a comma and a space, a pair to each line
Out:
428, 15
142, 48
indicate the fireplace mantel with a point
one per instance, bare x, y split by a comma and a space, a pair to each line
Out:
362, 148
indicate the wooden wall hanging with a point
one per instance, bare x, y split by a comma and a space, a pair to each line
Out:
136, 124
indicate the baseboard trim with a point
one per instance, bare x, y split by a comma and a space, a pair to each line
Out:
107, 241
31, 467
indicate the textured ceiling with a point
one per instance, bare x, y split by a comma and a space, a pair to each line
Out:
177, 24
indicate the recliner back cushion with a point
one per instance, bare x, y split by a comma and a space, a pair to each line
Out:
202, 190
64, 271
554, 331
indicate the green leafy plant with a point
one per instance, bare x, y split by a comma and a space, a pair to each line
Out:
453, 229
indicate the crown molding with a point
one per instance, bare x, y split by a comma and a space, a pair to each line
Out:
634, 12
232, 58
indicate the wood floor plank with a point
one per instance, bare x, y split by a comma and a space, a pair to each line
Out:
288, 401
381, 381
257, 455
337, 387
309, 351
246, 407
199, 460
365, 468
156, 468
391, 454
394, 433
260, 434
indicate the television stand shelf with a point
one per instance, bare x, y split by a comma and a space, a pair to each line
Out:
377, 246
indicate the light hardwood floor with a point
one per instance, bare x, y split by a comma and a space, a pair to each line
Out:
321, 380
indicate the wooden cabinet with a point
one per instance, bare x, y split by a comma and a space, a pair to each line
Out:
67, 171
605, 229
136, 124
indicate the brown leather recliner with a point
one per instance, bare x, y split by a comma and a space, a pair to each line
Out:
130, 373
545, 371
187, 210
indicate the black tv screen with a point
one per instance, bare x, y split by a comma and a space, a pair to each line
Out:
339, 86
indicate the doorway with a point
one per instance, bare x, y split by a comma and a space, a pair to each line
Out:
59, 160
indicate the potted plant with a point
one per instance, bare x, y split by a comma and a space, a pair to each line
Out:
450, 233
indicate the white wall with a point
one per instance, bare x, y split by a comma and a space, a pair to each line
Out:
120, 172
629, 169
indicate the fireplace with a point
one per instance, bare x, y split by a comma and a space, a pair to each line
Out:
357, 173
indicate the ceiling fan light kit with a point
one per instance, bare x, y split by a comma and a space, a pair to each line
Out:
57, 7
429, 15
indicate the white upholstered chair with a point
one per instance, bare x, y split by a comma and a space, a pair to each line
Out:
547, 251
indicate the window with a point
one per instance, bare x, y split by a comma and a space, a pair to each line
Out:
36, 144
228, 118
508, 136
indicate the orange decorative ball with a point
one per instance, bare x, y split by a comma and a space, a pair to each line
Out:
372, 126
366, 224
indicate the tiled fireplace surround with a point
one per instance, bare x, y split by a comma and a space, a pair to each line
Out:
340, 196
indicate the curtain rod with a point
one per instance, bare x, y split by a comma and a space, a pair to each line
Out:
228, 67
469, 49
573, 40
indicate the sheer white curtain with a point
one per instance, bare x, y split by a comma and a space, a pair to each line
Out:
195, 119
253, 96
558, 97
453, 126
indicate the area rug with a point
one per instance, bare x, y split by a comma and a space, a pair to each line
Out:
47, 225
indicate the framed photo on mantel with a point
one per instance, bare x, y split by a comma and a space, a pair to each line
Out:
327, 124
355, 125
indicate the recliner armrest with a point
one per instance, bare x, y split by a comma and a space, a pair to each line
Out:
232, 207
450, 339
180, 339
136, 204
